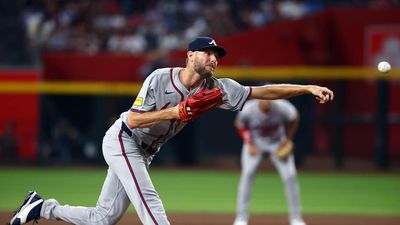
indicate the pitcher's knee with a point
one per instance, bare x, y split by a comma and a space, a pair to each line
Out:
102, 216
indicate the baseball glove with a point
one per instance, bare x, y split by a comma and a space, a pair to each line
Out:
201, 102
284, 150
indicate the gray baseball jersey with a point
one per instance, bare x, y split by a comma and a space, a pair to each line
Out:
267, 129
163, 89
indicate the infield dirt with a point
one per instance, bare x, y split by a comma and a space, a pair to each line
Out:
227, 219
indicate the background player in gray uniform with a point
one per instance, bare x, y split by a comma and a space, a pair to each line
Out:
265, 126
155, 116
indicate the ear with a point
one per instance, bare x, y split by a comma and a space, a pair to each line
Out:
189, 58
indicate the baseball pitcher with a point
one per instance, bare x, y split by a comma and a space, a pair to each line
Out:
168, 100
267, 128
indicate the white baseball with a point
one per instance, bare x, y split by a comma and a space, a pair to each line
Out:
384, 67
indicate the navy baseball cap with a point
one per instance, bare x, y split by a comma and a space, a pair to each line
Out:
203, 43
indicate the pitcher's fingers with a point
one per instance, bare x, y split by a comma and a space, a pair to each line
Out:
320, 100
330, 93
327, 97
319, 94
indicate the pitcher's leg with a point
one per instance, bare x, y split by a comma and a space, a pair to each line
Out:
111, 205
131, 167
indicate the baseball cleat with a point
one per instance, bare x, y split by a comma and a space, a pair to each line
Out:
29, 210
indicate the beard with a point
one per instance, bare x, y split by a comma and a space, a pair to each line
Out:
202, 71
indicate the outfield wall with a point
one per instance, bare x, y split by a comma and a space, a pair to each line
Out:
347, 127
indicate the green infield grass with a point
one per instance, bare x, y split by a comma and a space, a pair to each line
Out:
215, 191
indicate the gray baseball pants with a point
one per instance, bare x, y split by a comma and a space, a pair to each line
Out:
127, 182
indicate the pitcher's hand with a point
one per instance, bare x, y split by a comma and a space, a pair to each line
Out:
322, 94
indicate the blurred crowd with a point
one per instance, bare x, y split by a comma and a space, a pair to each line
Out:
136, 26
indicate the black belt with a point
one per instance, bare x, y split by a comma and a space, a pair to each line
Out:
143, 145
125, 128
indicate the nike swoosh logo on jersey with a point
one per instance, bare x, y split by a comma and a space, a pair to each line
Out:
169, 92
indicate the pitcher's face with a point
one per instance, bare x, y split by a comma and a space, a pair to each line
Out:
205, 62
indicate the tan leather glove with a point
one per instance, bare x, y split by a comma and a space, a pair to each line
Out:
284, 150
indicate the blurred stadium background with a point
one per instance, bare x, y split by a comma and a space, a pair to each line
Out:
68, 68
